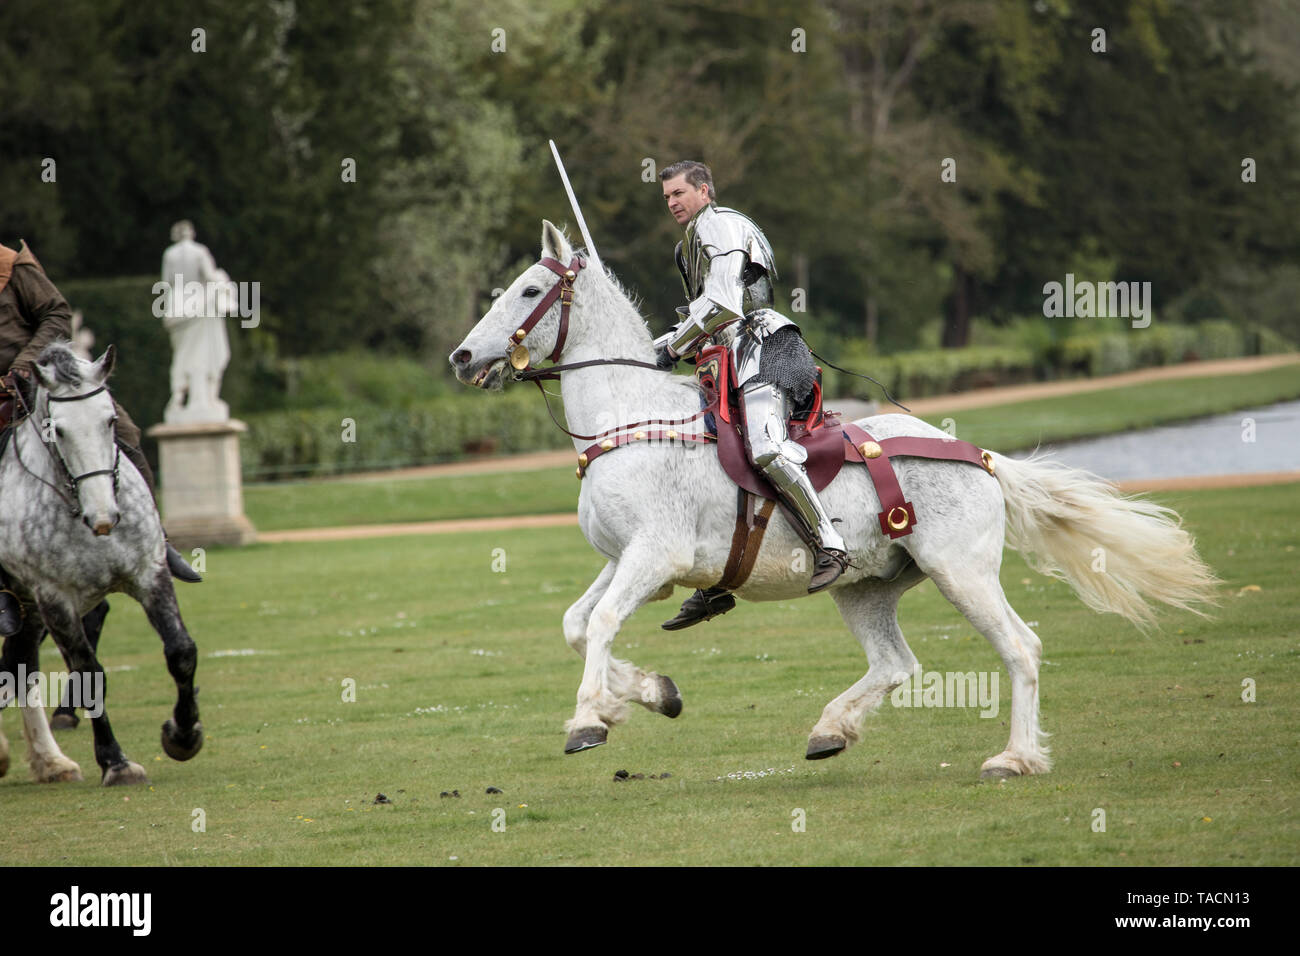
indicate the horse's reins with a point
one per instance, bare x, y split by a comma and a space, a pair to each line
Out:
521, 360
57, 456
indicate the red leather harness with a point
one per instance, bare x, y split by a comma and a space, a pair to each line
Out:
562, 290
897, 516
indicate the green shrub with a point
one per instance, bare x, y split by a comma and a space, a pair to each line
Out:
1220, 339
301, 442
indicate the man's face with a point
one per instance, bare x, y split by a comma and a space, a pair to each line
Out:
685, 200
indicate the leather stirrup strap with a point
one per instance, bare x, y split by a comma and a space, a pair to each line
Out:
746, 540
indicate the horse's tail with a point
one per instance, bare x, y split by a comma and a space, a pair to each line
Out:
1115, 551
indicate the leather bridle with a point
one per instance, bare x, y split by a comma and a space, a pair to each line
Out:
520, 359
76, 480
52, 448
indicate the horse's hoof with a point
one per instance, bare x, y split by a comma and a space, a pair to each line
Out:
998, 773
70, 774
585, 739
819, 748
125, 775
670, 698
64, 722
180, 746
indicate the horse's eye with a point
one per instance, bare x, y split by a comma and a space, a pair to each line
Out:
531, 292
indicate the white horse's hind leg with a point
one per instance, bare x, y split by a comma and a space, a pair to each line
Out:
47, 761
870, 609
979, 596
655, 692
608, 684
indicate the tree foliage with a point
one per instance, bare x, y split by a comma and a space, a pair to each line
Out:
828, 121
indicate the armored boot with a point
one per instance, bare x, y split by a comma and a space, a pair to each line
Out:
176, 564
701, 606
11, 609
766, 409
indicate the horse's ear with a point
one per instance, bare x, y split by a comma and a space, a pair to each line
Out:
44, 375
104, 366
554, 245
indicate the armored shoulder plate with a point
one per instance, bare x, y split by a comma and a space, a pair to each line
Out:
750, 238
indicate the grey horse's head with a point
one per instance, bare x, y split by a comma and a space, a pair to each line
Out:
483, 359
79, 420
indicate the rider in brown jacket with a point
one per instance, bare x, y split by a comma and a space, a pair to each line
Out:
33, 313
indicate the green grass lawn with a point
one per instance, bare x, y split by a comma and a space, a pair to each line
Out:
463, 681
280, 506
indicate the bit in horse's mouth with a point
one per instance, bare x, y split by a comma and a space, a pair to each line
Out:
489, 376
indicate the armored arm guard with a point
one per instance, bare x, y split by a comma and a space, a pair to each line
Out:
725, 261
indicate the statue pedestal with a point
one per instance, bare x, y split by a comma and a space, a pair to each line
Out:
202, 492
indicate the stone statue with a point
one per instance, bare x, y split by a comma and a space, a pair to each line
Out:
199, 298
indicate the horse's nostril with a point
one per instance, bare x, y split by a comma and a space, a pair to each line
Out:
460, 358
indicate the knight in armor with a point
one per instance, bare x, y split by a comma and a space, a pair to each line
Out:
727, 270
33, 313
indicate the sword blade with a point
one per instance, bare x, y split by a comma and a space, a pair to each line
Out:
573, 201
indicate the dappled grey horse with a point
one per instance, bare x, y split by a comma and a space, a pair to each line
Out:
662, 514
77, 522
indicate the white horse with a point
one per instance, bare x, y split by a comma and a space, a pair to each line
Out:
76, 523
663, 514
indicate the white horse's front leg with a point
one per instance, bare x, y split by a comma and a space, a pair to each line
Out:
48, 763
608, 683
655, 692
579, 613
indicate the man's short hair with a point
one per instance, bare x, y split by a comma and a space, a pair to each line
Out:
182, 230
697, 174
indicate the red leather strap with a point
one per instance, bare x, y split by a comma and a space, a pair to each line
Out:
562, 290
593, 452
950, 449
897, 515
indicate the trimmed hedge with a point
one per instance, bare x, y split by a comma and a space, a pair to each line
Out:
402, 417
928, 371
943, 371
365, 437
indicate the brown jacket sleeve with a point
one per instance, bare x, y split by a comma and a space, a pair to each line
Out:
44, 309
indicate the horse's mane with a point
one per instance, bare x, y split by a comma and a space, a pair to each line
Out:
67, 367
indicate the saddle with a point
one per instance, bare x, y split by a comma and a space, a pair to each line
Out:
829, 443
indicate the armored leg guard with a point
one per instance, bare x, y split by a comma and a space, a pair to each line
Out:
701, 606
781, 460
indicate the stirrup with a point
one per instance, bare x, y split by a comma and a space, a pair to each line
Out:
828, 566
179, 567
701, 606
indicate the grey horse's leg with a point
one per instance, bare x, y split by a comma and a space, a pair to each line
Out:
65, 716
870, 609
182, 735
47, 762
65, 627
